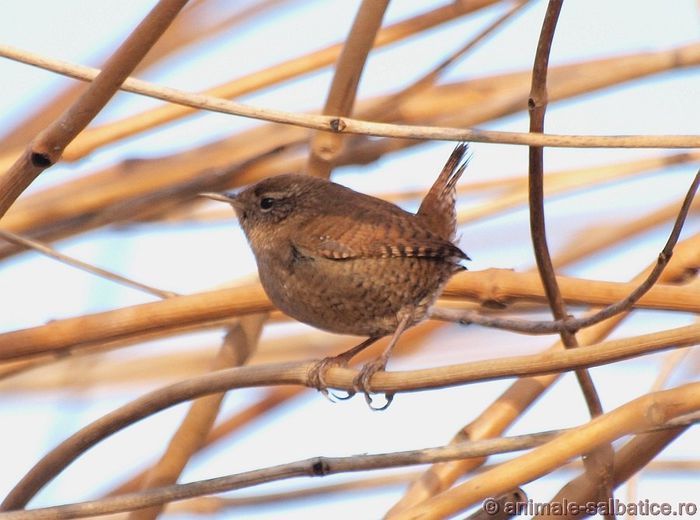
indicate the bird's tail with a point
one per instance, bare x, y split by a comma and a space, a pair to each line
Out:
438, 206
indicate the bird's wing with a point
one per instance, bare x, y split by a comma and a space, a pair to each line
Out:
438, 207
349, 238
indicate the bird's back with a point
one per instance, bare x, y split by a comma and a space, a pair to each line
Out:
355, 225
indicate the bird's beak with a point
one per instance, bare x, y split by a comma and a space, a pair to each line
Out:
228, 197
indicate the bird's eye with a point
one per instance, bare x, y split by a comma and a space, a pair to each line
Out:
267, 203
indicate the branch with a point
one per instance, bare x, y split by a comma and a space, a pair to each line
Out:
341, 378
649, 411
646, 411
46, 149
316, 466
239, 344
537, 105
325, 147
45, 249
218, 504
598, 462
569, 324
356, 126
133, 323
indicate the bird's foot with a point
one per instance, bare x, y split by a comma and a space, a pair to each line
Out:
317, 378
361, 382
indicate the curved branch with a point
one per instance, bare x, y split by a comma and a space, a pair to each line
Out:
342, 378
652, 411
239, 344
599, 462
570, 324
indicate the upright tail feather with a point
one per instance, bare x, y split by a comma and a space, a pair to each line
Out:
438, 206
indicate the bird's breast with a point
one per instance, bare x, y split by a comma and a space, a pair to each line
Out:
361, 296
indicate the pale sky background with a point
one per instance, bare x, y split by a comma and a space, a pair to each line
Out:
34, 289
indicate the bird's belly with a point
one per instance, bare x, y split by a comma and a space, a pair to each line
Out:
356, 296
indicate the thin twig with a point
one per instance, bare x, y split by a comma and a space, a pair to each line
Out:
47, 250
570, 324
429, 79
360, 127
596, 239
215, 504
326, 465
599, 462
537, 105
654, 275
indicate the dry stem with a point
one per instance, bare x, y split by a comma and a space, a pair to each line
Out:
643, 412
360, 127
649, 411
239, 344
342, 378
48, 146
325, 147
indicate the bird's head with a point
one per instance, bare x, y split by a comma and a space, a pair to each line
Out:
262, 207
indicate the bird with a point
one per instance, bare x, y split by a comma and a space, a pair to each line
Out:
351, 263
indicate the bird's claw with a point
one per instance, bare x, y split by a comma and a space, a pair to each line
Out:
318, 381
334, 397
348, 395
388, 396
361, 383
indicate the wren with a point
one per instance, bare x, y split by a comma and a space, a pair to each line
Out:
350, 263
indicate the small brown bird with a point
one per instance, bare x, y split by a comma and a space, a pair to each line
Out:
350, 263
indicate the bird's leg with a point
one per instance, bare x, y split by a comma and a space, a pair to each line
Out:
317, 372
361, 382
